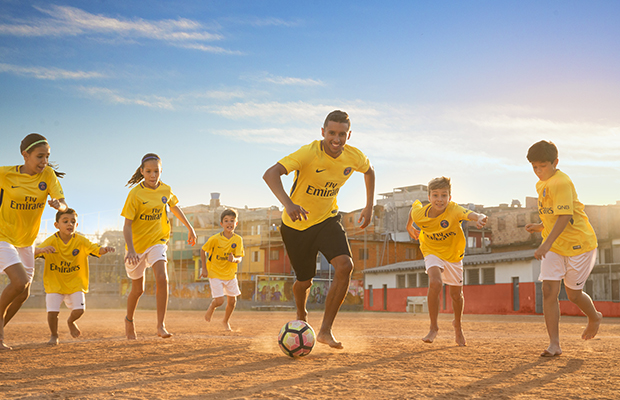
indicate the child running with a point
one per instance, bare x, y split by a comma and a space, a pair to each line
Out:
23, 191
443, 245
568, 250
146, 233
219, 258
65, 276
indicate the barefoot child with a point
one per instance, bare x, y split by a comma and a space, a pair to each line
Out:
65, 276
310, 221
443, 244
146, 232
23, 191
219, 258
568, 250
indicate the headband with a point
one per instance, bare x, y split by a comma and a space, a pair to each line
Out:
152, 157
35, 143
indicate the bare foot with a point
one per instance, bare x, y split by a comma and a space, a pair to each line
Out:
227, 326
53, 341
592, 327
459, 338
302, 315
130, 330
163, 333
430, 337
73, 328
551, 352
209, 314
328, 338
4, 346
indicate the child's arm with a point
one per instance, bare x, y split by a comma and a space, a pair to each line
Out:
531, 228
369, 181
131, 257
234, 259
481, 219
413, 232
58, 204
273, 179
191, 235
203, 264
556, 231
105, 250
44, 250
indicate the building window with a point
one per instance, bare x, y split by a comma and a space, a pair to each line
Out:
412, 280
252, 230
473, 276
274, 255
471, 242
258, 229
521, 220
488, 276
363, 254
423, 279
501, 223
178, 245
400, 281
255, 256
410, 253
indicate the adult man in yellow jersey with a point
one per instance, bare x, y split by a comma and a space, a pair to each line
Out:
310, 221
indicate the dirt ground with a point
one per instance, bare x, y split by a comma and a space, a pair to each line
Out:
383, 358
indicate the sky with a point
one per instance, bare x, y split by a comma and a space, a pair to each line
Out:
222, 90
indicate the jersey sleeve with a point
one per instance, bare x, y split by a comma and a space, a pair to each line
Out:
91, 248
295, 161
173, 200
562, 198
55, 189
129, 209
208, 247
363, 163
461, 212
416, 211
45, 243
240, 249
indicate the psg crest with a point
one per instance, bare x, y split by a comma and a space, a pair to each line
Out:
42, 185
444, 224
164, 199
75, 252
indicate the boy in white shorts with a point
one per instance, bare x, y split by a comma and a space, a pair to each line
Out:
568, 250
219, 258
442, 242
65, 277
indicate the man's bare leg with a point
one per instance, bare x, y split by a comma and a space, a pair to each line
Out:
458, 303
433, 299
231, 303
301, 290
585, 304
18, 283
52, 321
215, 303
161, 295
137, 288
343, 266
551, 310
73, 328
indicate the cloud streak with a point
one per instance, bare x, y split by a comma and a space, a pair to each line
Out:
49, 73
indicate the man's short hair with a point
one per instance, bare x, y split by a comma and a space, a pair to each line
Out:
542, 151
439, 183
229, 211
338, 116
67, 211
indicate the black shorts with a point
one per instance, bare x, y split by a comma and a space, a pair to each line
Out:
328, 237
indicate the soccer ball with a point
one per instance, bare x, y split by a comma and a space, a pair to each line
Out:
296, 339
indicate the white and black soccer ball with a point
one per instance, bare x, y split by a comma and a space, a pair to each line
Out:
296, 338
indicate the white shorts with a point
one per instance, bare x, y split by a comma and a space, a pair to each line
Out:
220, 288
11, 255
451, 273
574, 270
147, 259
74, 301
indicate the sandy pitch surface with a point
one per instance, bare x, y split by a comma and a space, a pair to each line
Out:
383, 358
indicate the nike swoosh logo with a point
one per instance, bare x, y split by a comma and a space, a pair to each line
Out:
144, 202
13, 187
319, 170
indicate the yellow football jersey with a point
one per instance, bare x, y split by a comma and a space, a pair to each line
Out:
557, 196
318, 178
147, 209
443, 235
66, 270
22, 201
218, 247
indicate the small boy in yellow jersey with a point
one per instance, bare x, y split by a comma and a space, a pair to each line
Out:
219, 258
568, 250
65, 277
443, 245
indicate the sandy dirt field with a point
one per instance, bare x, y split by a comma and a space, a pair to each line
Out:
383, 358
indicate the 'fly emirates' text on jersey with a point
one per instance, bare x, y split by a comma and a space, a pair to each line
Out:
318, 178
441, 236
66, 270
557, 196
147, 209
22, 200
218, 247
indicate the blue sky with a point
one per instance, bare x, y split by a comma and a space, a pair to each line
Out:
221, 90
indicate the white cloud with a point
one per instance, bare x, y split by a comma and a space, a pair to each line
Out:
48, 73
284, 80
114, 97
